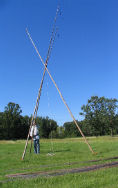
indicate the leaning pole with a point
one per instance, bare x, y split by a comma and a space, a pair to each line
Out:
54, 31
60, 94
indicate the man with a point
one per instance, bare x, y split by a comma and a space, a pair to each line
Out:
34, 133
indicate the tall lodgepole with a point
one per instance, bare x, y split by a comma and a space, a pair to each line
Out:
60, 94
40, 89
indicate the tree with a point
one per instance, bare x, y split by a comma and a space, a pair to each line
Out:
23, 127
46, 126
12, 120
100, 114
1, 126
60, 132
70, 129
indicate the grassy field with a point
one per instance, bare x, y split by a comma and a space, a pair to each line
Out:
66, 151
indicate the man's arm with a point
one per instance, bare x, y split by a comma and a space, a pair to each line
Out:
31, 132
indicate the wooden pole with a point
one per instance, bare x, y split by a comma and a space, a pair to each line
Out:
60, 94
40, 89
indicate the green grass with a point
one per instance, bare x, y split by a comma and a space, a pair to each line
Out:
66, 151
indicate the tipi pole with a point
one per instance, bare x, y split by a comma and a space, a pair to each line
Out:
60, 94
39, 93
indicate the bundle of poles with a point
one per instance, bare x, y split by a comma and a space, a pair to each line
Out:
52, 39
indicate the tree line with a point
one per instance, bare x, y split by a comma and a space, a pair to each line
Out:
100, 117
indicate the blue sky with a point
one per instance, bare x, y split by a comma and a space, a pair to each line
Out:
83, 62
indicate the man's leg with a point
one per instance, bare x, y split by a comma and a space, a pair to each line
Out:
35, 146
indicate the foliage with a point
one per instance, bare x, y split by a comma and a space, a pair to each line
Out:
100, 115
11, 120
100, 118
46, 126
15, 126
71, 129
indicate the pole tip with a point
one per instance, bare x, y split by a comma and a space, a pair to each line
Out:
26, 30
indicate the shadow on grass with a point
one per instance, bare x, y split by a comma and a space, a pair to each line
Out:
56, 151
0, 184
